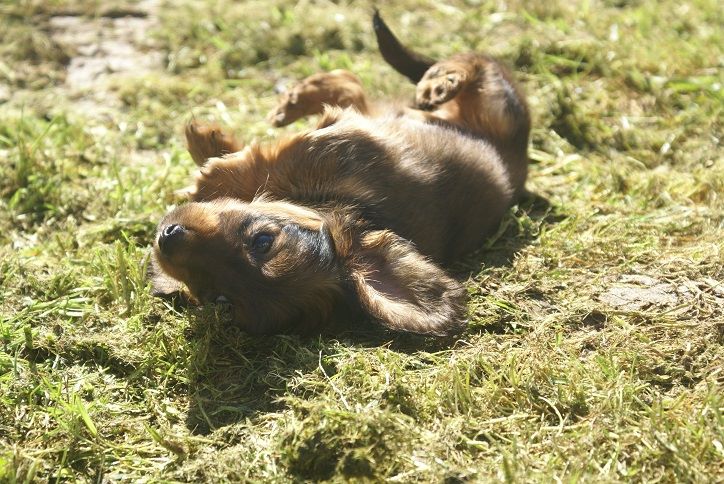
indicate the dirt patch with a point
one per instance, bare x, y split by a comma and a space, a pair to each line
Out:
4, 93
107, 47
640, 293
633, 292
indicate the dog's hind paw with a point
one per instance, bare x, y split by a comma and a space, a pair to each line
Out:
438, 86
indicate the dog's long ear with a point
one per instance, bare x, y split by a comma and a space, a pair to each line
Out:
405, 61
399, 287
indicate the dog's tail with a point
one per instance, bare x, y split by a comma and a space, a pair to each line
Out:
408, 63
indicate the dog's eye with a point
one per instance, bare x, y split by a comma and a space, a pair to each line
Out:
262, 243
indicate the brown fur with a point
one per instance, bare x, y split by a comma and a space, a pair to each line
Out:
473, 92
209, 141
360, 211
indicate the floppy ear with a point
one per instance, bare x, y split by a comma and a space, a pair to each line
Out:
402, 289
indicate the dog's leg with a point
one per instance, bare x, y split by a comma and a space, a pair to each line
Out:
472, 91
478, 94
243, 175
441, 83
206, 141
225, 165
338, 88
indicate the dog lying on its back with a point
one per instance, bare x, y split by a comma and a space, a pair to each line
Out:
352, 218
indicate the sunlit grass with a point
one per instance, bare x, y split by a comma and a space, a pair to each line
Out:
555, 379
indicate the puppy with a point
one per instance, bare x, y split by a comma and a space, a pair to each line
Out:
354, 218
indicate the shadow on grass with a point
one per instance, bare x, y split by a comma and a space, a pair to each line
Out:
513, 235
493, 262
234, 376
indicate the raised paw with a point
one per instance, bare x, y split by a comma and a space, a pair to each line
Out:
206, 141
438, 86
310, 96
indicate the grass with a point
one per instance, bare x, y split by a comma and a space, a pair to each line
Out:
594, 351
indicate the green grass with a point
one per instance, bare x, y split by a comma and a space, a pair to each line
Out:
556, 378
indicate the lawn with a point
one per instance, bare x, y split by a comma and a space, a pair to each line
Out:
596, 319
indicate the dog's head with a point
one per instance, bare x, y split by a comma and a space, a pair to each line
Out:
285, 267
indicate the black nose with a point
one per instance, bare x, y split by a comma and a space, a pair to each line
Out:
171, 230
170, 234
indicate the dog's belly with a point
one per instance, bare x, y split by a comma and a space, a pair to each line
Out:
441, 189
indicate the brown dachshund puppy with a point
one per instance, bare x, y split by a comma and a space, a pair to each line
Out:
352, 218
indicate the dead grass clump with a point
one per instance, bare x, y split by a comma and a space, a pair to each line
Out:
322, 441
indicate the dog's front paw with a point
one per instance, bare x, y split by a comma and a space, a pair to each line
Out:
438, 86
206, 141
185, 193
231, 176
